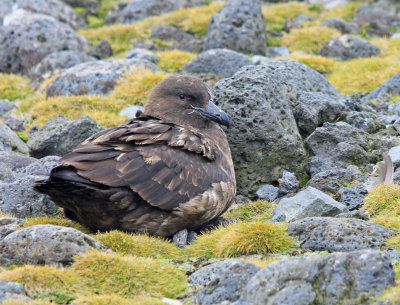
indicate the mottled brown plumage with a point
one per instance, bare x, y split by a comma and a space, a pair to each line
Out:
168, 169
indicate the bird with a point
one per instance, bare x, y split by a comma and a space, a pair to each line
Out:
165, 170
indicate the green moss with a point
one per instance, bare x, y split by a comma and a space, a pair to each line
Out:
112, 299
346, 12
58, 296
255, 210
383, 200
22, 136
243, 238
80, 11
127, 276
14, 87
139, 245
388, 221
308, 39
392, 294
57, 221
319, 63
173, 60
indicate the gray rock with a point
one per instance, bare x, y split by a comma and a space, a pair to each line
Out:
364, 120
307, 203
394, 154
288, 183
338, 234
40, 167
268, 192
180, 238
263, 134
94, 77
5, 107
337, 145
59, 135
57, 62
392, 87
342, 25
19, 199
45, 244
9, 141
10, 162
352, 197
142, 54
312, 109
12, 290
9, 225
90, 5
130, 111
13, 123
5, 9
222, 62
140, 9
327, 279
302, 18
358, 214
28, 38
102, 50
390, 120
239, 26
224, 281
276, 51
180, 40
348, 46
395, 108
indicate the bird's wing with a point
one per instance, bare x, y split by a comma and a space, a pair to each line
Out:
165, 164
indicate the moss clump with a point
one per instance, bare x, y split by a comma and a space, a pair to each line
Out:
309, 39
363, 75
58, 296
388, 221
242, 238
383, 200
394, 242
139, 245
117, 300
255, 210
14, 87
346, 12
18, 301
57, 221
127, 276
174, 60
389, 46
319, 63
134, 87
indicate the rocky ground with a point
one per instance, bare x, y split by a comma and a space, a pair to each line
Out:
312, 89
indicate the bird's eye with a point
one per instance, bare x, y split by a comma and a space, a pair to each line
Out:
182, 96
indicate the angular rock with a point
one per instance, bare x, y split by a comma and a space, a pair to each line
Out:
59, 135
224, 281
45, 244
312, 109
222, 62
142, 54
338, 234
9, 225
353, 197
348, 46
394, 154
140, 9
94, 77
12, 290
307, 203
57, 62
342, 25
13, 123
391, 86
276, 51
263, 134
268, 192
180, 40
9, 141
239, 26
327, 279
28, 38
102, 50
10, 162
288, 183
180, 238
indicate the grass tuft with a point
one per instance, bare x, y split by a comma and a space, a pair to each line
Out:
173, 60
57, 221
388, 221
14, 87
255, 210
383, 200
111, 299
319, 63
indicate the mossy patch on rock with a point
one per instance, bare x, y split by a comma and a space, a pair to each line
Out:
173, 60
255, 210
383, 200
308, 39
242, 238
139, 245
319, 63
14, 87
57, 221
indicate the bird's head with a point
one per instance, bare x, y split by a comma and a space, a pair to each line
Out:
184, 100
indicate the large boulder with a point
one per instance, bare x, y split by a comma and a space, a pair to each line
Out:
60, 135
94, 77
263, 136
324, 279
45, 244
239, 26
27, 38
338, 234
221, 62
139, 9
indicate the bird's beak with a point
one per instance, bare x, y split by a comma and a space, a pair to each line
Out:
213, 113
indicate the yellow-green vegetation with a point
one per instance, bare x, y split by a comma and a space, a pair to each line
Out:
57, 221
135, 86
394, 242
139, 245
121, 36
362, 75
319, 63
388, 221
308, 39
383, 200
242, 238
112, 299
173, 60
3, 214
127, 276
255, 210
276, 15
18, 301
14, 87
347, 11
263, 262
389, 46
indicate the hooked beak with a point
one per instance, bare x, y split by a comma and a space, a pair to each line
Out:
213, 113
